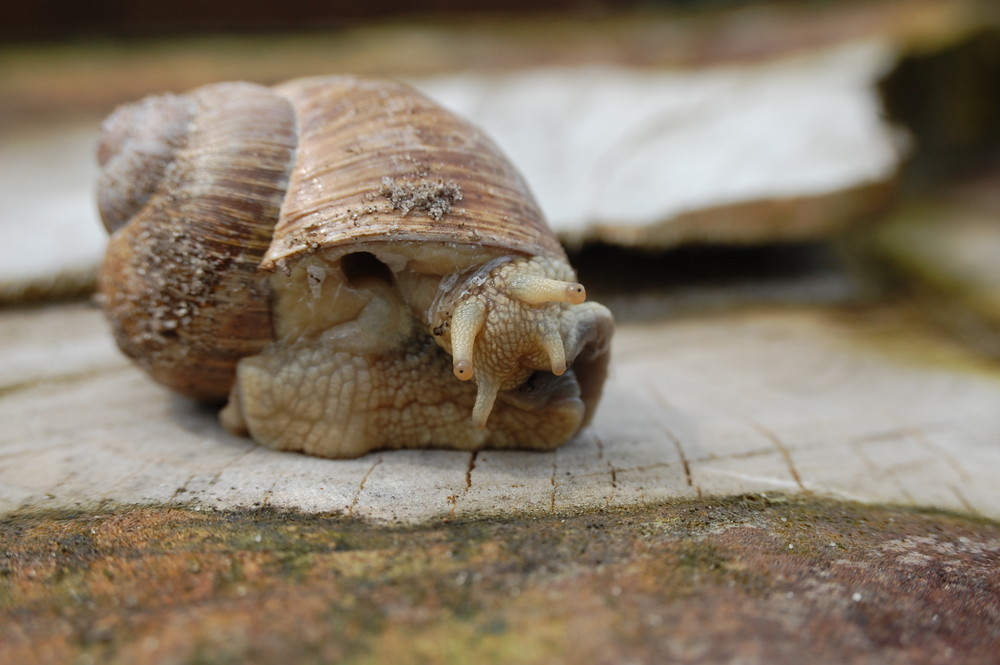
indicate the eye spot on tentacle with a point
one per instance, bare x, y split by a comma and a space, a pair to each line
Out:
466, 324
575, 293
463, 370
534, 289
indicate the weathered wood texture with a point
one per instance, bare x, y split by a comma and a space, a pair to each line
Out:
822, 400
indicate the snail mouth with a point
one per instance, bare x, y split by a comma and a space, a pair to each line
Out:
579, 388
543, 390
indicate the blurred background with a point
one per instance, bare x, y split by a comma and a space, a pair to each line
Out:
811, 150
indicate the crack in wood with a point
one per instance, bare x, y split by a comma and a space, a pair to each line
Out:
69, 378
238, 458
361, 487
611, 470
878, 471
892, 472
785, 453
680, 453
469, 469
962, 500
182, 489
665, 404
453, 498
266, 499
555, 486
890, 435
922, 439
759, 452
645, 467
905, 466
902, 489
600, 447
856, 444
108, 490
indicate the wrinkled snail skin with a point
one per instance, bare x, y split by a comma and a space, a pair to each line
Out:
352, 266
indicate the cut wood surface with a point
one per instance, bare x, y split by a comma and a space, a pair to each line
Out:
824, 400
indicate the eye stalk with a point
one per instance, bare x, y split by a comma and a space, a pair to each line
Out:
535, 290
466, 324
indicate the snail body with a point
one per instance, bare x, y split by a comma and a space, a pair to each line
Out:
350, 265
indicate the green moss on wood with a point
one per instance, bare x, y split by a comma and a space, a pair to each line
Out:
713, 577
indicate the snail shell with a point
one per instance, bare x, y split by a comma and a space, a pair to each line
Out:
352, 266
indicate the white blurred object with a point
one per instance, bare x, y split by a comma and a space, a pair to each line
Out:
606, 146
49, 229
609, 152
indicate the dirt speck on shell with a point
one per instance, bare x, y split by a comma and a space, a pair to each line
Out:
435, 197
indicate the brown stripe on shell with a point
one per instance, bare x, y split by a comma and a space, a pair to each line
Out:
379, 162
180, 281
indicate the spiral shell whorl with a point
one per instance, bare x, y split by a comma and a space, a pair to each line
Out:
180, 281
138, 142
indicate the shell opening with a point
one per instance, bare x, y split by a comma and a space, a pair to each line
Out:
362, 267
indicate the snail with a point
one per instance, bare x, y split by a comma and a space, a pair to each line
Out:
348, 265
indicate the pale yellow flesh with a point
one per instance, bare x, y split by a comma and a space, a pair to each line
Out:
372, 374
